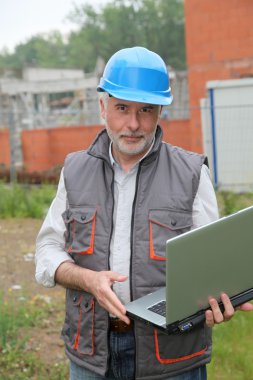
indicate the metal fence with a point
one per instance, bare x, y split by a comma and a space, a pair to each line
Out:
228, 142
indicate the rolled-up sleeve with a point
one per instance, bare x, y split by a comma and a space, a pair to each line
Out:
205, 208
50, 253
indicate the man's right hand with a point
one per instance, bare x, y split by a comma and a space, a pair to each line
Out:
99, 284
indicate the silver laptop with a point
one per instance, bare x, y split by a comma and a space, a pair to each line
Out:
200, 263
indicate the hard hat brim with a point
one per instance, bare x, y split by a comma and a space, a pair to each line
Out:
141, 96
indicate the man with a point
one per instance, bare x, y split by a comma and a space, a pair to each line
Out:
104, 236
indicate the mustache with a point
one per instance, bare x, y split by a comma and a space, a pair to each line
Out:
131, 134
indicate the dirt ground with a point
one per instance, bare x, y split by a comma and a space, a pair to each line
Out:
17, 248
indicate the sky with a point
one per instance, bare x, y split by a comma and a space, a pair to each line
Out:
20, 19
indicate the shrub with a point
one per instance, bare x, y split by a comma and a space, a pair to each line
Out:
25, 200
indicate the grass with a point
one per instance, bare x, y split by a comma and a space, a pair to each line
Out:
18, 317
231, 202
25, 201
233, 349
12, 318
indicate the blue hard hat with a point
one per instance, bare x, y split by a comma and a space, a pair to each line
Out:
137, 74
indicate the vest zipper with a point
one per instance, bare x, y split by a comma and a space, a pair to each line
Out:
131, 253
132, 229
108, 265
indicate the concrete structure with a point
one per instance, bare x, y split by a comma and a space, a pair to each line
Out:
179, 109
27, 103
34, 92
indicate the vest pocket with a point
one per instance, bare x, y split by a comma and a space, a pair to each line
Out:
165, 224
80, 230
78, 331
180, 347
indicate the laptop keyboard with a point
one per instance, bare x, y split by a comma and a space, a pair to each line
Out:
159, 308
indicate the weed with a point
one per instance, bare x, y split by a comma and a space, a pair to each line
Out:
17, 361
231, 202
232, 349
14, 314
25, 201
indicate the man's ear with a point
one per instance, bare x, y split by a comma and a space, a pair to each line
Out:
102, 108
160, 112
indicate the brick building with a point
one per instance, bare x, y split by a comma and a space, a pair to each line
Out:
219, 45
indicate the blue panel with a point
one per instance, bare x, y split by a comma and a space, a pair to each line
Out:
214, 146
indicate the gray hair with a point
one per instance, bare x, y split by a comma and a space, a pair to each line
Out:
104, 96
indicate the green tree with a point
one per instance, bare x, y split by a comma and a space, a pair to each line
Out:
85, 45
155, 24
39, 50
163, 29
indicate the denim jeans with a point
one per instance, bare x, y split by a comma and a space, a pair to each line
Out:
122, 363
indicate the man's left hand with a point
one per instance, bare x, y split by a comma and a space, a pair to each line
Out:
215, 315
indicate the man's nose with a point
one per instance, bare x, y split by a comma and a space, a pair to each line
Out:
133, 122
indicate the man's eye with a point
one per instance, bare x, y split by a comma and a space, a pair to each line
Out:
121, 108
146, 109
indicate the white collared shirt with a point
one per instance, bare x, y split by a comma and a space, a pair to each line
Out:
50, 251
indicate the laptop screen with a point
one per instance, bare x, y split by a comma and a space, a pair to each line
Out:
207, 261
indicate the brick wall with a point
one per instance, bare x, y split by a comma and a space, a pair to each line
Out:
176, 132
45, 148
219, 45
4, 147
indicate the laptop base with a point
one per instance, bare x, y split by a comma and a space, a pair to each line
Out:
189, 323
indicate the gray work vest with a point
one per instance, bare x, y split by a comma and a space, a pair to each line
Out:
166, 185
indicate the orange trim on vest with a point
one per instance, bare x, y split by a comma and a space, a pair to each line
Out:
78, 330
76, 343
79, 324
90, 250
152, 254
171, 361
160, 224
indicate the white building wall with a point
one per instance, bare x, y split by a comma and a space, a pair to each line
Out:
228, 133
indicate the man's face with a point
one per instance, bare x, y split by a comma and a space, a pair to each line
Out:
130, 125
